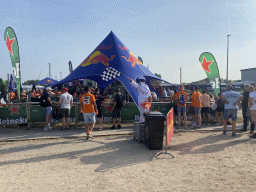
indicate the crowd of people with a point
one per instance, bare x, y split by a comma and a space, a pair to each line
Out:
225, 106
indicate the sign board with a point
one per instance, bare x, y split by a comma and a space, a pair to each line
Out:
170, 127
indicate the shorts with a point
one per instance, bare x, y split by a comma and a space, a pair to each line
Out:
117, 113
197, 110
89, 118
181, 109
48, 110
253, 115
232, 112
192, 110
219, 109
205, 110
3, 95
65, 113
99, 113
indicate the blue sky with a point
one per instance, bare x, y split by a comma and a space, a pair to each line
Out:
167, 34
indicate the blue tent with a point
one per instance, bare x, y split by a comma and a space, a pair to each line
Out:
47, 80
111, 52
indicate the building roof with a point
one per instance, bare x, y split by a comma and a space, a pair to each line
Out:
247, 69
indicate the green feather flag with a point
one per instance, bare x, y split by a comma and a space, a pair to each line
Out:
13, 48
210, 67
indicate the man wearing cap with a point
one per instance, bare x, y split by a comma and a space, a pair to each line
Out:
99, 100
46, 103
231, 100
181, 105
118, 104
198, 106
143, 94
65, 104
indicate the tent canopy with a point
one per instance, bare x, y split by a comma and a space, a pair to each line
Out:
111, 52
47, 80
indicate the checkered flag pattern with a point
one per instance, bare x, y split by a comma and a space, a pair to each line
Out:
110, 73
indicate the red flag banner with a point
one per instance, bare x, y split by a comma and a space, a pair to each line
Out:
170, 128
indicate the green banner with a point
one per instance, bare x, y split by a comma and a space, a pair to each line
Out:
13, 48
210, 67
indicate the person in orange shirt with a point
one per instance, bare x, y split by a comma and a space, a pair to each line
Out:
12, 96
198, 106
89, 110
192, 107
181, 105
39, 91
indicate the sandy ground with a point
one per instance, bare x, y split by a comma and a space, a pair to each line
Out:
203, 162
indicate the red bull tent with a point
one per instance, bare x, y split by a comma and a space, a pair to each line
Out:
47, 80
111, 52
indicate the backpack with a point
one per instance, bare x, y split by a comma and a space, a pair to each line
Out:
182, 100
42, 101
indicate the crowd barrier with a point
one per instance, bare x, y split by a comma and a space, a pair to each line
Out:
32, 112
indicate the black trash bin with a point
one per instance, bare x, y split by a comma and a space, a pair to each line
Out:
154, 130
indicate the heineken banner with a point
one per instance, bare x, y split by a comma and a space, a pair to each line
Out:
210, 67
13, 48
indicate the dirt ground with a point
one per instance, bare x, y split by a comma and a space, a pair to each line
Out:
203, 162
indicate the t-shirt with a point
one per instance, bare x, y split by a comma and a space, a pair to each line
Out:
99, 100
119, 101
45, 97
193, 100
206, 100
12, 95
198, 99
220, 103
3, 86
182, 97
65, 100
231, 97
86, 100
253, 96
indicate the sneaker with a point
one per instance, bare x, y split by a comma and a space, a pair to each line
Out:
224, 132
67, 129
208, 124
233, 134
90, 137
194, 125
46, 129
113, 127
197, 127
119, 127
62, 129
251, 131
100, 128
243, 130
253, 136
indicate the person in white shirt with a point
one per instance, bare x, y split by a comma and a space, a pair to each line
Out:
143, 94
65, 104
252, 106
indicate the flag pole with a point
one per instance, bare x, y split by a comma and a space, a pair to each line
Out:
227, 56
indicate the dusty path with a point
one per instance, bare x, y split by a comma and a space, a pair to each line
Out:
203, 162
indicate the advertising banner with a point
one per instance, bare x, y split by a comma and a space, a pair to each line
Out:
210, 67
170, 126
13, 48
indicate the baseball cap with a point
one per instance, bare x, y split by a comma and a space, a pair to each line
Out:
48, 88
64, 89
197, 87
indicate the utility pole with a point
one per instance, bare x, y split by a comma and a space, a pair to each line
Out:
180, 75
50, 70
227, 56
